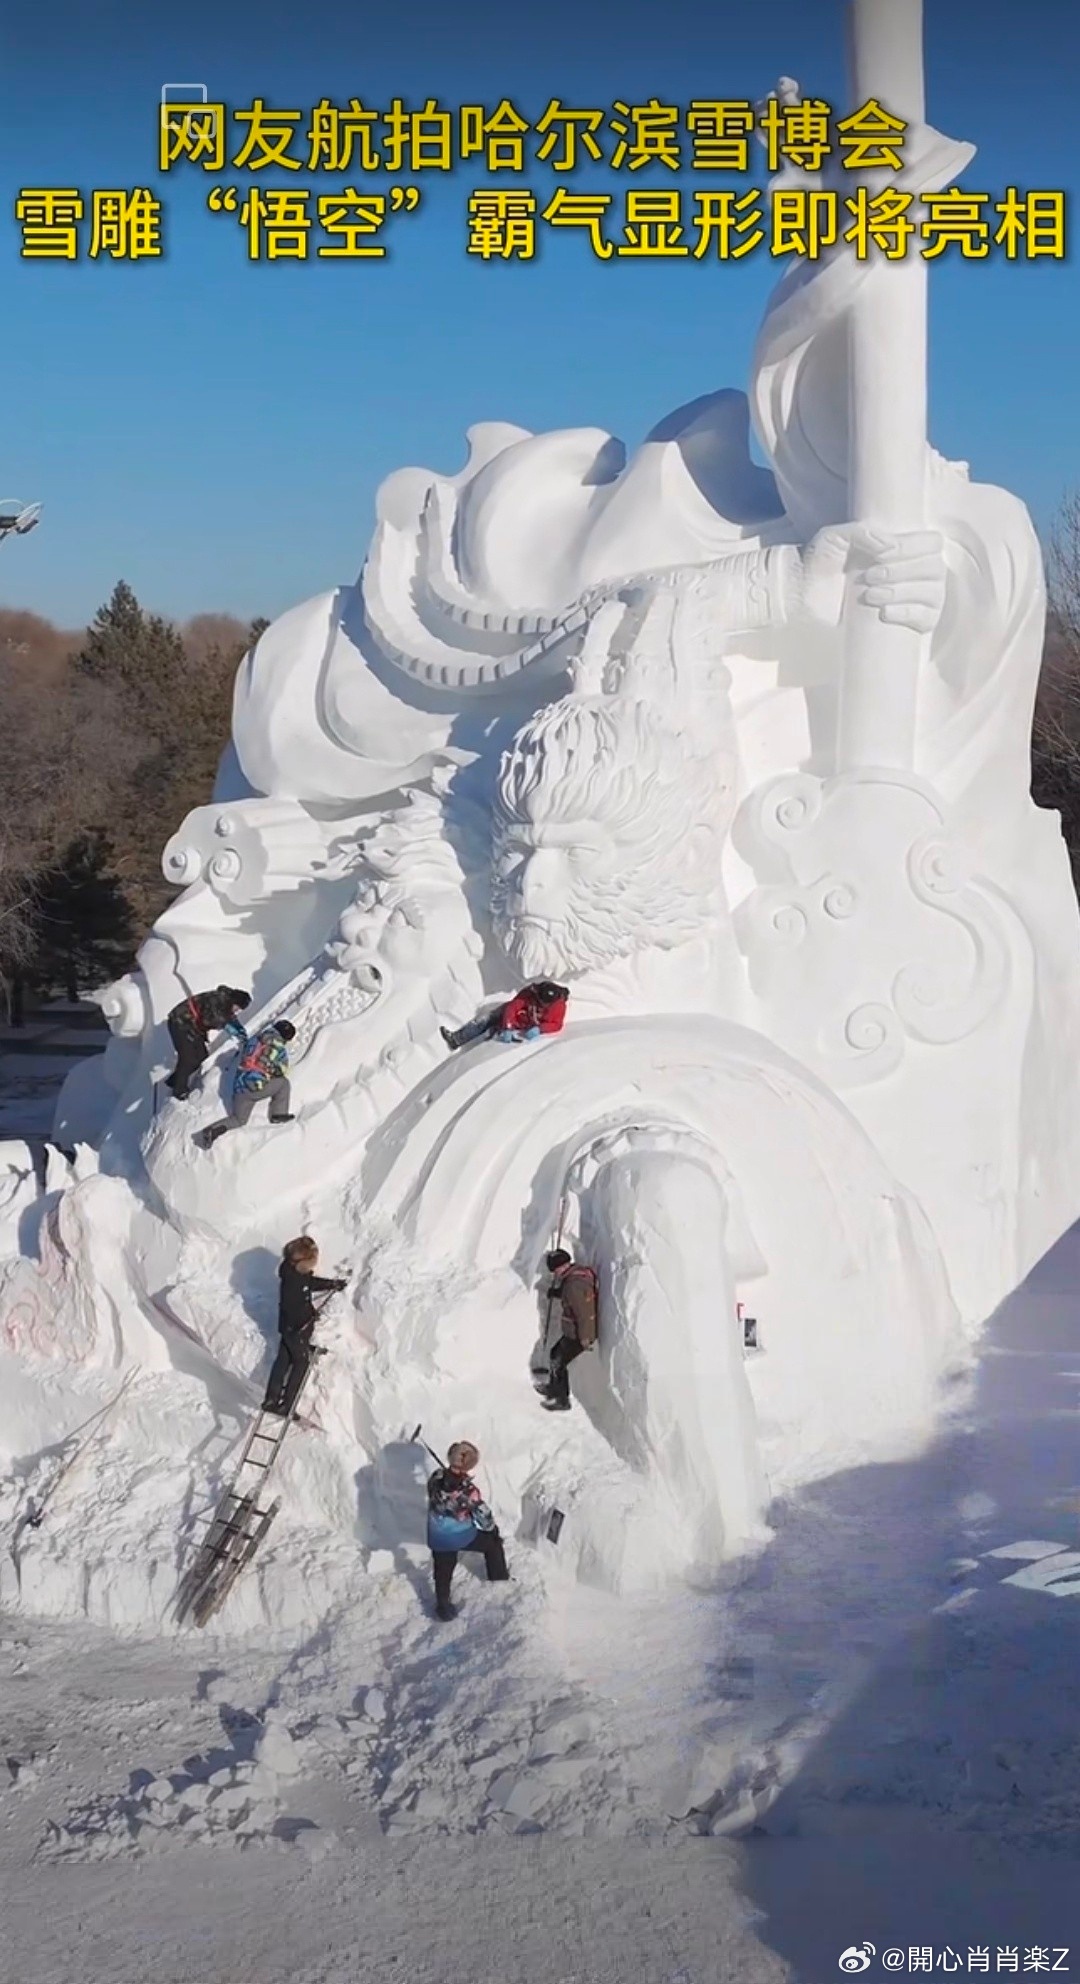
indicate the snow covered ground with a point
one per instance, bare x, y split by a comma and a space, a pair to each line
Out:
35, 1059
29, 1086
871, 1733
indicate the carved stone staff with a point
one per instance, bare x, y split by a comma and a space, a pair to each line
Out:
887, 407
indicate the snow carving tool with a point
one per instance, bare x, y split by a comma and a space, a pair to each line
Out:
241, 1519
415, 1440
540, 1371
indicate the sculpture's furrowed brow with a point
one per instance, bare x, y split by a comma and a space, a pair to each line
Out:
571, 833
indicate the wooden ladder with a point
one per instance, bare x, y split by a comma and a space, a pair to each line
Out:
240, 1520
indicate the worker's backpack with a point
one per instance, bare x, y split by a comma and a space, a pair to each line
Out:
260, 1060
581, 1268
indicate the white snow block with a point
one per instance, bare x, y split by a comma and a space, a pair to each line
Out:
236, 1799
278, 1753
1025, 1552
519, 1794
561, 1734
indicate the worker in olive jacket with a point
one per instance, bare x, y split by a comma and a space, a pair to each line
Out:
573, 1287
193, 1021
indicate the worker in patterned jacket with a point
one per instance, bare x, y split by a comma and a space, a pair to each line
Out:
459, 1519
262, 1076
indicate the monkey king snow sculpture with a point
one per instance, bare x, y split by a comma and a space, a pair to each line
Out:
739, 754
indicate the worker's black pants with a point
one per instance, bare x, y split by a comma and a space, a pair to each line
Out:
479, 1029
289, 1371
562, 1356
191, 1051
490, 1545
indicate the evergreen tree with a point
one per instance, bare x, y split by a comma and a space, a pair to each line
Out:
108, 739
114, 638
137, 654
86, 933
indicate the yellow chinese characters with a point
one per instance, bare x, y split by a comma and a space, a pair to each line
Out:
125, 223
502, 223
341, 139
647, 135
871, 139
720, 134
192, 131
278, 220
797, 133
49, 217
126, 226
498, 137
568, 136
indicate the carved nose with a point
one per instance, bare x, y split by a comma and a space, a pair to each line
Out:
540, 887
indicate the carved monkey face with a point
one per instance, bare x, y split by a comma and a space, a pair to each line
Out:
548, 881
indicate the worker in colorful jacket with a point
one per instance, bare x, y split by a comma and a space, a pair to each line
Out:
459, 1519
573, 1287
538, 1009
190, 1025
261, 1076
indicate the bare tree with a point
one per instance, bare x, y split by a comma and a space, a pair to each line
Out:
1063, 579
1055, 742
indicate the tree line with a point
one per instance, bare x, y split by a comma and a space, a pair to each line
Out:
108, 737
1055, 743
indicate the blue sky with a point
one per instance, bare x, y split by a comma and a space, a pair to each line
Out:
214, 430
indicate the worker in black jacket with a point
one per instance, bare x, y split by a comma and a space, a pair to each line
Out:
193, 1021
297, 1316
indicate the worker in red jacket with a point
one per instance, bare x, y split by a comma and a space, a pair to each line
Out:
537, 1009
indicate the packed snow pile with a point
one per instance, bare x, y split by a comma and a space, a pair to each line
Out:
750, 780
554, 1779
229, 1804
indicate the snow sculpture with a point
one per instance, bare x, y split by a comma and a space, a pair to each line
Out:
741, 755
608, 840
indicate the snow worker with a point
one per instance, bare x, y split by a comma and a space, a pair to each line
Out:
573, 1287
262, 1076
190, 1025
539, 1008
458, 1519
297, 1316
